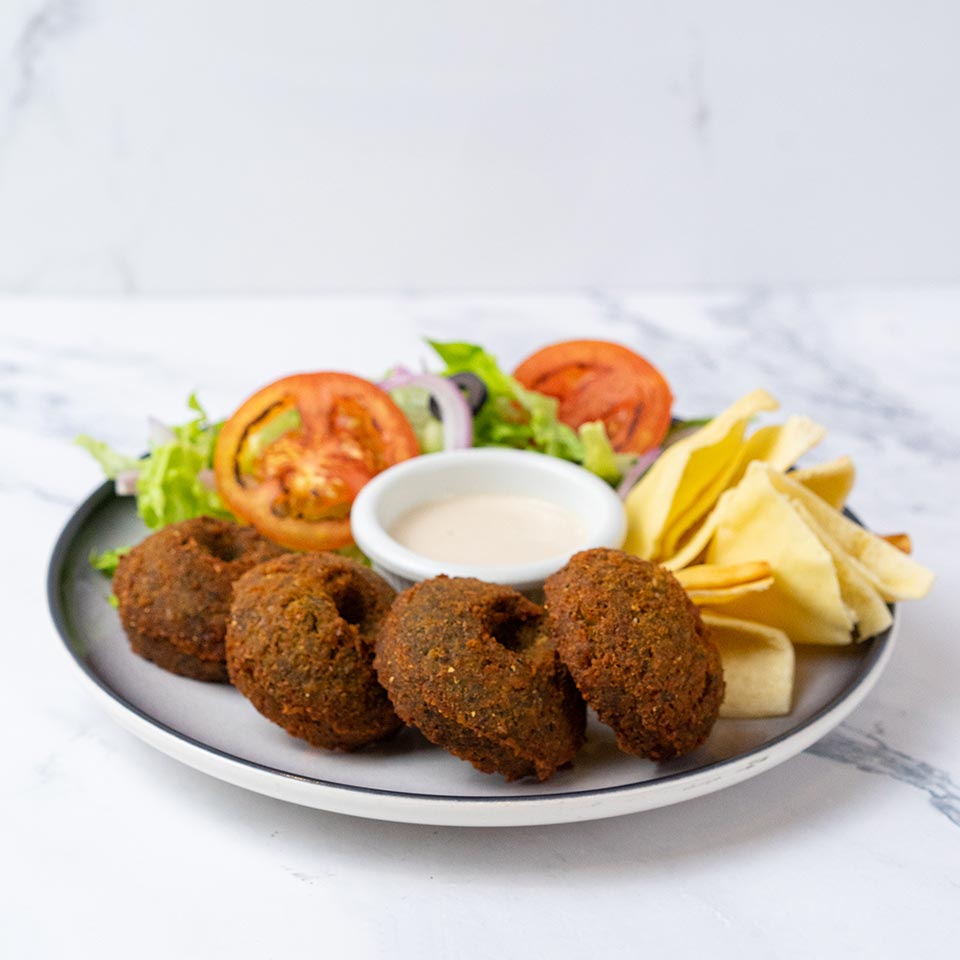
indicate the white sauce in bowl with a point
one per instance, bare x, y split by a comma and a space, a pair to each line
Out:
489, 529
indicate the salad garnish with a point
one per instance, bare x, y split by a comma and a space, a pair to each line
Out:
173, 481
293, 457
455, 417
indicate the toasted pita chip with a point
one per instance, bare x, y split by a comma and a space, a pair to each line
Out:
780, 445
756, 521
694, 546
871, 613
721, 595
895, 575
679, 477
712, 576
901, 541
685, 520
831, 481
758, 667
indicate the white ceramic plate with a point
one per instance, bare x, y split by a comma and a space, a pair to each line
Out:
213, 728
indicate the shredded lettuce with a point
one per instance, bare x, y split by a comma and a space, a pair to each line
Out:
512, 416
111, 462
107, 561
169, 488
355, 553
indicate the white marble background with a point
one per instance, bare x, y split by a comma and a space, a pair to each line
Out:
297, 146
850, 849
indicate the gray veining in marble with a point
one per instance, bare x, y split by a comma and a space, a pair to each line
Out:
868, 751
47, 25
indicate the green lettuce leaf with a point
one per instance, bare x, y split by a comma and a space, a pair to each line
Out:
107, 561
512, 416
110, 461
353, 552
169, 488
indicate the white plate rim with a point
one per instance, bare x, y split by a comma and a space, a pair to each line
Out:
433, 809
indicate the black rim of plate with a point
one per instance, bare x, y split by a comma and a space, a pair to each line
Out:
55, 599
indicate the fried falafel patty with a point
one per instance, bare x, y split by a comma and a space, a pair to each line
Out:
300, 648
471, 665
174, 590
638, 651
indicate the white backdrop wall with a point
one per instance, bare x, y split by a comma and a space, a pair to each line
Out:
253, 146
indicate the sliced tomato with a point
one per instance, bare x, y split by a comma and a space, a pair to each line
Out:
294, 456
598, 380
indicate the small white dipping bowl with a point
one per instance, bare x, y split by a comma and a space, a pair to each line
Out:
487, 470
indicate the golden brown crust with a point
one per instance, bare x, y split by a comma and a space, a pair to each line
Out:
470, 665
174, 590
300, 648
638, 651
172, 659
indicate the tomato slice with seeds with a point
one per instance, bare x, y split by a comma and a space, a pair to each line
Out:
599, 380
294, 456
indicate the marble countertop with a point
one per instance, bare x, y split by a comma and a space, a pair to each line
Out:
852, 848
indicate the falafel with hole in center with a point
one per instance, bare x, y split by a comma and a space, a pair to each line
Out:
174, 590
300, 645
471, 665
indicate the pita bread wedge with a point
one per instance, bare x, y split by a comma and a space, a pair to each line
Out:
758, 667
720, 595
711, 576
684, 471
895, 575
696, 544
757, 522
780, 445
872, 614
831, 481
711, 585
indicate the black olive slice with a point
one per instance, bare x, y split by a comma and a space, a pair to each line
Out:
474, 391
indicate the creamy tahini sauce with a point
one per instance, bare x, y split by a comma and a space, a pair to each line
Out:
489, 529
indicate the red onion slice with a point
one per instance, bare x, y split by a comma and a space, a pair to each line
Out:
399, 377
454, 410
125, 483
633, 475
